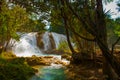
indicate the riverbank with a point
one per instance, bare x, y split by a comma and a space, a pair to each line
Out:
84, 72
89, 69
15, 69
22, 68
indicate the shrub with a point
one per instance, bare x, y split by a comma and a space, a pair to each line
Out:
7, 55
15, 69
63, 46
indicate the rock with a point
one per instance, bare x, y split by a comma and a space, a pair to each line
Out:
36, 61
54, 51
66, 56
44, 60
39, 60
40, 43
48, 56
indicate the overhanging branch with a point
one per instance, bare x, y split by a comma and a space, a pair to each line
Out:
88, 39
90, 30
113, 45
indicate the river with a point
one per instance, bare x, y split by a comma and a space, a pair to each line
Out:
50, 73
27, 47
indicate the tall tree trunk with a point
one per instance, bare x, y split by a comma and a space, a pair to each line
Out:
76, 57
98, 29
110, 67
102, 36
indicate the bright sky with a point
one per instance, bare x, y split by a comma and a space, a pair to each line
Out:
112, 7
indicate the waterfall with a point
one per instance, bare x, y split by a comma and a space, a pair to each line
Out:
26, 46
58, 38
28, 43
52, 40
46, 41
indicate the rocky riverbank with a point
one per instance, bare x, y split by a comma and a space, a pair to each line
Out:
45, 60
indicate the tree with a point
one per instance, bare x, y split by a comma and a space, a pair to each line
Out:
91, 16
97, 28
12, 18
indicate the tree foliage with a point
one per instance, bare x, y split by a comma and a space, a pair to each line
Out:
117, 26
12, 19
86, 15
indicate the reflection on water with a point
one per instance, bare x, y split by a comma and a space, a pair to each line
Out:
50, 73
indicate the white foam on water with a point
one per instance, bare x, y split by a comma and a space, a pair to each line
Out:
27, 46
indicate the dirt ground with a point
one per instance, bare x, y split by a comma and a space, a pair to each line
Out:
84, 72
88, 70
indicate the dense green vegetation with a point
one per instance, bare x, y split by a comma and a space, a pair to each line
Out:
13, 68
15, 18
84, 21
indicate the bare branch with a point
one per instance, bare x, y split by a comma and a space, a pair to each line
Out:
113, 45
88, 39
90, 30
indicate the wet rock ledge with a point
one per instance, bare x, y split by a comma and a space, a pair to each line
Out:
44, 60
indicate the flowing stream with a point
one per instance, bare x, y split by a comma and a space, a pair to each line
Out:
50, 73
27, 46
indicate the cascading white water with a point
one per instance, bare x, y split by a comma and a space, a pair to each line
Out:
58, 38
46, 41
26, 46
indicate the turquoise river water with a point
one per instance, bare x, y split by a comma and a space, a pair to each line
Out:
50, 73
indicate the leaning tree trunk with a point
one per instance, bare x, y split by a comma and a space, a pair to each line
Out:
101, 38
76, 57
98, 29
111, 66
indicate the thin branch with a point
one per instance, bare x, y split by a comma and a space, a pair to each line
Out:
88, 39
113, 45
112, 60
81, 19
